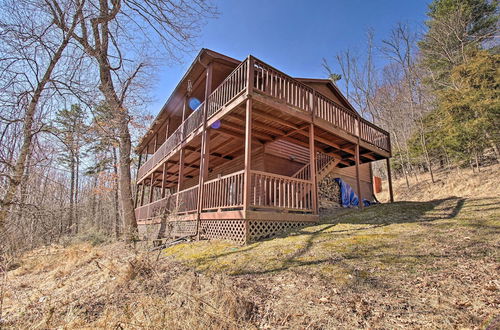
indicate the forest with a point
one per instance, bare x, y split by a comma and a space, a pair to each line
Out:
74, 83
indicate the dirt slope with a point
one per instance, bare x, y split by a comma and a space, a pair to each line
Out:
414, 264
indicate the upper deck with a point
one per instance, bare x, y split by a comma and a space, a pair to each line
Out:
283, 107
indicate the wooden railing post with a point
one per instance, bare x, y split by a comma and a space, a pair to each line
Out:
250, 75
163, 179
204, 150
151, 187
136, 179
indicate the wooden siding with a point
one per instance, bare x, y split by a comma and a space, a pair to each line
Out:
286, 149
348, 174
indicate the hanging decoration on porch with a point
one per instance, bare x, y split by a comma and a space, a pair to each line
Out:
194, 103
216, 124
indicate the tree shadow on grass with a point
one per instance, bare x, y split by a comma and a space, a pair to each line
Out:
330, 230
401, 212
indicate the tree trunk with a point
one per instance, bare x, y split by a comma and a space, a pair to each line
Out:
125, 145
77, 179
28, 122
115, 199
93, 201
71, 194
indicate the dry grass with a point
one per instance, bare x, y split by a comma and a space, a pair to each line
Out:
462, 183
413, 264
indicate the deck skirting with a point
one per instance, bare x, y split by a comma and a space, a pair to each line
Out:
257, 226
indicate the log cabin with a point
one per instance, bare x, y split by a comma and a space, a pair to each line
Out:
239, 148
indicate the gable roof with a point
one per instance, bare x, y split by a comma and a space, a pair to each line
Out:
332, 87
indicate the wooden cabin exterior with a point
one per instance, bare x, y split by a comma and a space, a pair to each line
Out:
245, 163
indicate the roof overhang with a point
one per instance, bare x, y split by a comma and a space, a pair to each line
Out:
197, 68
332, 86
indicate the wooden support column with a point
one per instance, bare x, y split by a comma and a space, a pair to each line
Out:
143, 186
155, 147
247, 175
138, 190
248, 156
180, 177
167, 128
389, 180
151, 188
312, 157
136, 177
163, 180
358, 184
204, 149
312, 167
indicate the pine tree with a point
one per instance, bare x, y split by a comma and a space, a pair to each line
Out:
467, 116
455, 28
70, 127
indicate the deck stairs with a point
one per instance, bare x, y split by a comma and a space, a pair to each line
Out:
324, 165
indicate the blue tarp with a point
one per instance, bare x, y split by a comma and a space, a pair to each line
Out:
348, 196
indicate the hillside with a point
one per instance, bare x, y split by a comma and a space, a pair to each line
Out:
424, 262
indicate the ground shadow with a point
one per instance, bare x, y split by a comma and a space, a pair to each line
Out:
399, 212
365, 220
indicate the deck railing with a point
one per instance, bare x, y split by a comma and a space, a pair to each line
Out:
277, 84
373, 134
280, 192
154, 209
267, 191
224, 192
187, 200
274, 83
280, 86
230, 88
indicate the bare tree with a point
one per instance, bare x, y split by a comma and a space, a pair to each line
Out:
400, 48
31, 51
122, 37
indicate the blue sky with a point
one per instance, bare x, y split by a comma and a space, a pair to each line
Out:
292, 35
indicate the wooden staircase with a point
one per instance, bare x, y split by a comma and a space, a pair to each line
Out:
324, 165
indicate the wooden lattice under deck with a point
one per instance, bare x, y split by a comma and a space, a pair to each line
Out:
266, 229
234, 230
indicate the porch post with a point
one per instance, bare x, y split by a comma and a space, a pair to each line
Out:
151, 188
389, 179
167, 128
358, 184
180, 177
248, 155
312, 167
247, 175
143, 189
204, 150
136, 178
163, 179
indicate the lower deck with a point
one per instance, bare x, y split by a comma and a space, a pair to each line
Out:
238, 226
